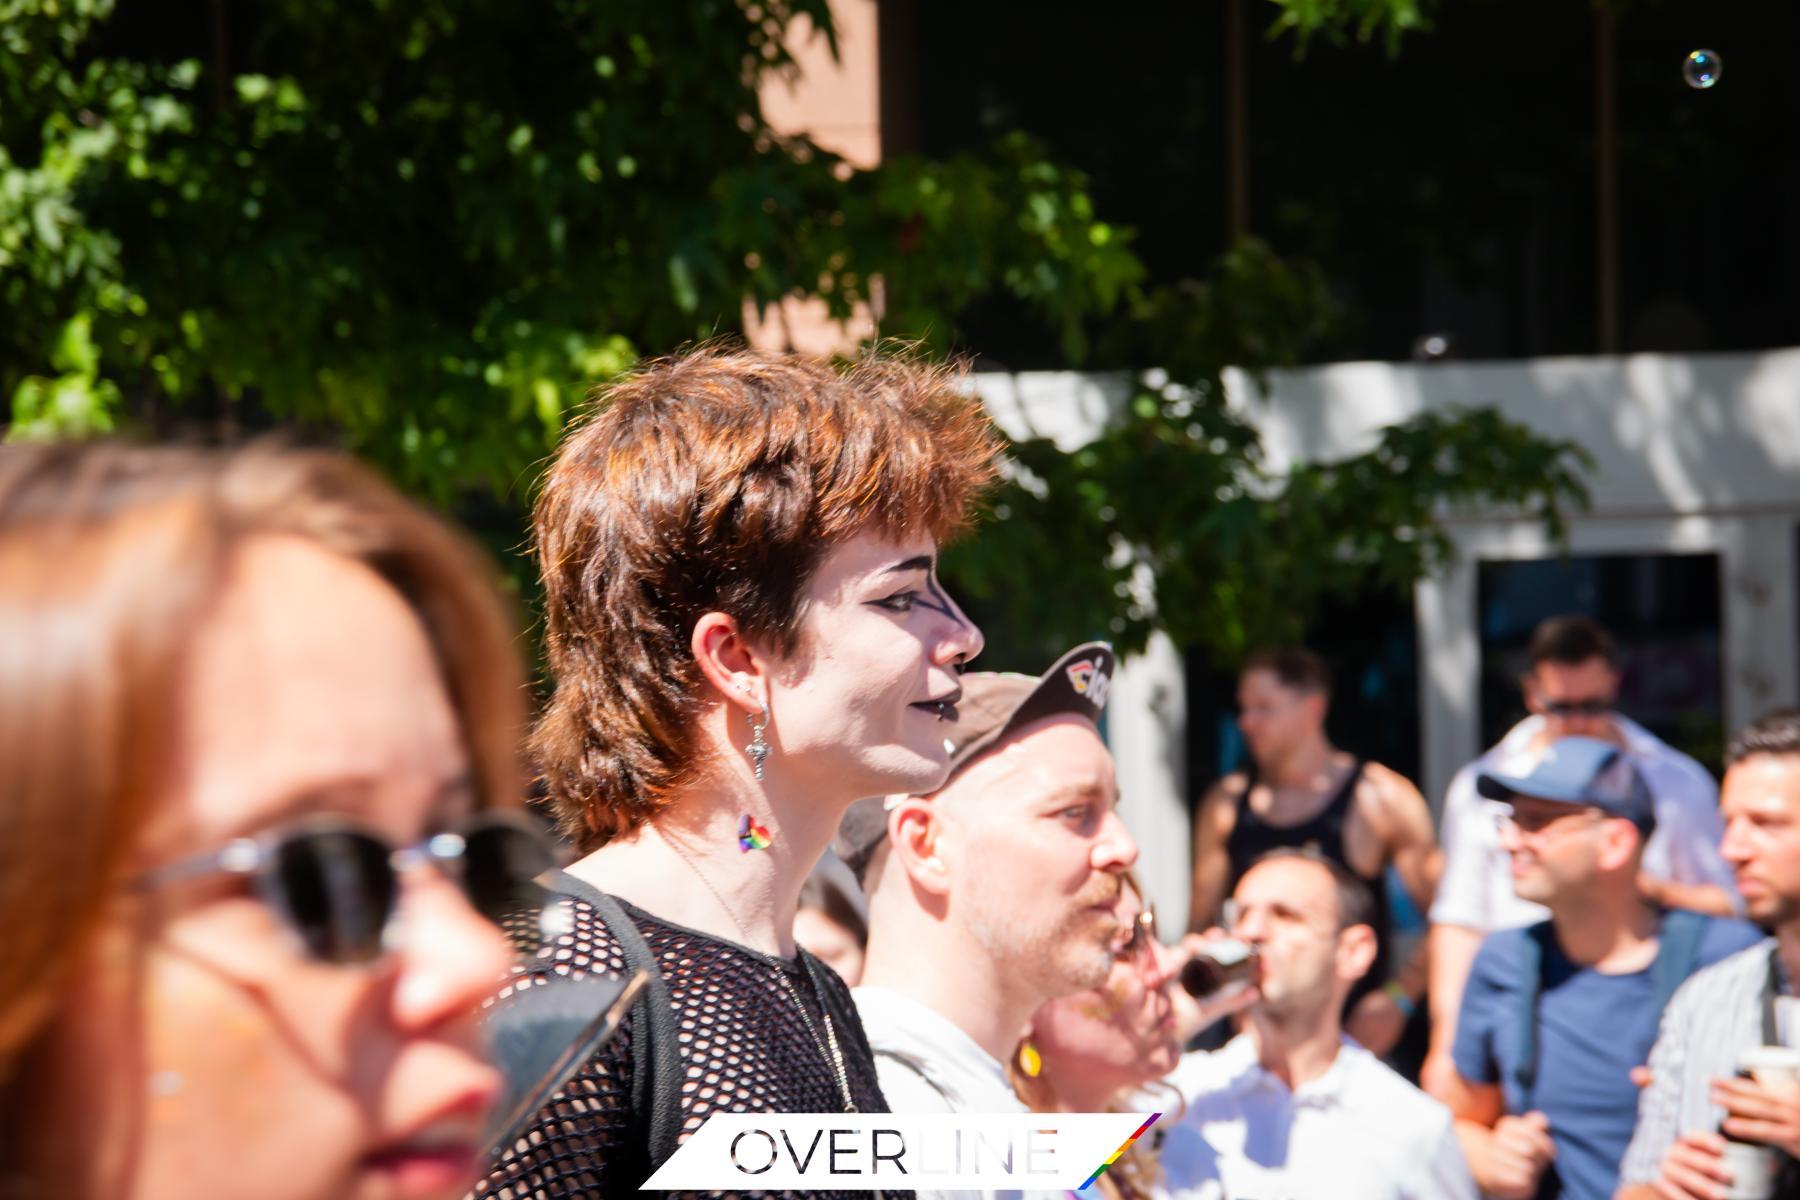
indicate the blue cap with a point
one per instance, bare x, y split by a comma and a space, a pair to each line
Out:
1583, 771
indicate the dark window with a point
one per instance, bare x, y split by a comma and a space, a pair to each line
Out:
1663, 609
1451, 189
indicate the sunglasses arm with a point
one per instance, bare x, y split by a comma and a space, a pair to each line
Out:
241, 856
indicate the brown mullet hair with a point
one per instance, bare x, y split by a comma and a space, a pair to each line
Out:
717, 480
110, 557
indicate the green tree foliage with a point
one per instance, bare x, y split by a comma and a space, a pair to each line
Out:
431, 226
1340, 20
1171, 519
426, 228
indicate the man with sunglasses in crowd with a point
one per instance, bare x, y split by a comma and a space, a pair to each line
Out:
1557, 1016
996, 893
1570, 688
1291, 1107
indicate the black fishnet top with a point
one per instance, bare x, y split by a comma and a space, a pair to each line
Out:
744, 1047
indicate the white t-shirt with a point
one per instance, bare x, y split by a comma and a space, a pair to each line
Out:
1476, 889
1358, 1132
927, 1064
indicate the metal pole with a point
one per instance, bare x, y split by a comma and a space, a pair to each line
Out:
1606, 170
1237, 120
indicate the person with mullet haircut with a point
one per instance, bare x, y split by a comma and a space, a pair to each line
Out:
746, 633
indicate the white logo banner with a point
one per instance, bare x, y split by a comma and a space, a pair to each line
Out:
896, 1151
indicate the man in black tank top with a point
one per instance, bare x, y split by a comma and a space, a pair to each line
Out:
1300, 790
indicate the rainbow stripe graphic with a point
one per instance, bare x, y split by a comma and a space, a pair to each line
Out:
1101, 1170
752, 836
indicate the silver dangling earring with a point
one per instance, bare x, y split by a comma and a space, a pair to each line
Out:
758, 749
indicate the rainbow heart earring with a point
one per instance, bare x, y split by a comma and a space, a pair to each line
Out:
752, 836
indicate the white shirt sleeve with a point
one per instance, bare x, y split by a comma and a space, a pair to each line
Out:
1443, 1172
1689, 827
906, 1088
1462, 891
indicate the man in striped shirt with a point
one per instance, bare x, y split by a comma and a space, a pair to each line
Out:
1677, 1151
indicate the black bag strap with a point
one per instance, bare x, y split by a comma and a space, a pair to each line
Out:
660, 1075
1772, 987
1531, 984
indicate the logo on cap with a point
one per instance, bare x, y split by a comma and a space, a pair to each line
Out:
1089, 680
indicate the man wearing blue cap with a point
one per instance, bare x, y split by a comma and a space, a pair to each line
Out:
1557, 1015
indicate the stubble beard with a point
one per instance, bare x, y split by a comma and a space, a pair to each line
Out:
1779, 911
1291, 1011
1070, 956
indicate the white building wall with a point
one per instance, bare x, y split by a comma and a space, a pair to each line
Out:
1147, 729
1670, 433
1695, 453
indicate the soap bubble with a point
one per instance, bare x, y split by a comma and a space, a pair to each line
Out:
1702, 68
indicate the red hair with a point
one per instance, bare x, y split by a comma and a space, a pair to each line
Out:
716, 481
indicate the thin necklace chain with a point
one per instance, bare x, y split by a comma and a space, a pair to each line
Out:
827, 1046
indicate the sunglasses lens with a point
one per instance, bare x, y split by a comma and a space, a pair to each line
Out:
1579, 708
339, 889
499, 863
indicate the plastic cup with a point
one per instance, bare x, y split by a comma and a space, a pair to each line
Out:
1752, 1164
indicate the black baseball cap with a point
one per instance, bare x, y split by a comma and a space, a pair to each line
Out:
993, 704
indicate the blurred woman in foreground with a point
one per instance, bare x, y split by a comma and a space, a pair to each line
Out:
1096, 1051
257, 719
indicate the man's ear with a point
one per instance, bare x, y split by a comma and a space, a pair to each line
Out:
914, 828
1618, 843
734, 668
1355, 952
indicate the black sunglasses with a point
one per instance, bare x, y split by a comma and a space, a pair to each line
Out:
1577, 708
337, 885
